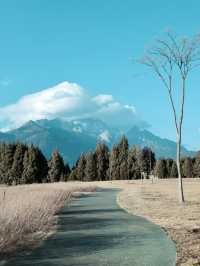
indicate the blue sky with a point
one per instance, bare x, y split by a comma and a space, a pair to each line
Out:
91, 43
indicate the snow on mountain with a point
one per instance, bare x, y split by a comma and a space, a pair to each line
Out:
77, 136
105, 136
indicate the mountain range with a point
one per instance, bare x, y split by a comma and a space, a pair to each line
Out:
73, 137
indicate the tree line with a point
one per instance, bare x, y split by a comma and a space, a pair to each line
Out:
26, 164
167, 168
118, 164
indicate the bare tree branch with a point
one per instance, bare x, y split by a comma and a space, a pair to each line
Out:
170, 57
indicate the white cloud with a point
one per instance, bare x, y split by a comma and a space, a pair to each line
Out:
130, 107
103, 99
69, 101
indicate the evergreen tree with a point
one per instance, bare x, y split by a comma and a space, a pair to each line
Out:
90, 167
161, 169
67, 172
34, 166
56, 167
169, 163
152, 160
123, 158
197, 165
7, 162
30, 170
133, 163
114, 165
174, 171
73, 175
42, 166
146, 161
102, 160
80, 168
20, 164
25, 172
2, 156
187, 167
17, 166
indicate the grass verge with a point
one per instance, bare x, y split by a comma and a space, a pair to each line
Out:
28, 213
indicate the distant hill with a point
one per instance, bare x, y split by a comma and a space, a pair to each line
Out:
72, 138
70, 144
162, 147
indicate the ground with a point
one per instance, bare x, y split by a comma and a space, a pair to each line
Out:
28, 213
158, 202
94, 230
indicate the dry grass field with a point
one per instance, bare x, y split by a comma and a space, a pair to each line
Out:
28, 213
158, 203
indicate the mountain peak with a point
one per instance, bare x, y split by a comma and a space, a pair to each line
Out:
30, 126
30, 123
80, 135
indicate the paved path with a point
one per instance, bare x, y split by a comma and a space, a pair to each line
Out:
94, 231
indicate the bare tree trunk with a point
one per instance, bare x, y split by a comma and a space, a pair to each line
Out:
174, 57
179, 138
178, 162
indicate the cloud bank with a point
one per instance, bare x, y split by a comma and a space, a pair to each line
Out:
68, 101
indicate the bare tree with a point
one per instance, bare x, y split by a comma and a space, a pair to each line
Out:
172, 59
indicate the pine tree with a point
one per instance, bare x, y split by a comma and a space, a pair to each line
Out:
29, 166
67, 172
80, 168
169, 163
123, 158
102, 159
114, 165
17, 166
56, 167
197, 165
7, 163
73, 175
25, 167
174, 171
42, 166
21, 164
146, 161
34, 166
133, 163
90, 167
187, 167
2, 156
160, 168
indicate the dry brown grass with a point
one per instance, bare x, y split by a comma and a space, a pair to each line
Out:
158, 203
28, 213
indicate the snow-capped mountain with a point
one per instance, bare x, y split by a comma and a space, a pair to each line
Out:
92, 127
73, 137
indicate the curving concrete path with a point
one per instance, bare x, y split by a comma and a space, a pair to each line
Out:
94, 231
